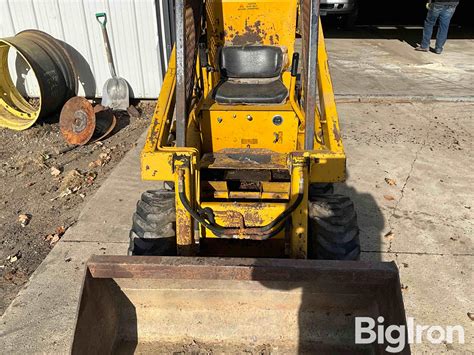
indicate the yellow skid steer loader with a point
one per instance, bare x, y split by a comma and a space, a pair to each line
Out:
246, 248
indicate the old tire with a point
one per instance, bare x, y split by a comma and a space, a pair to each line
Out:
318, 189
333, 230
154, 224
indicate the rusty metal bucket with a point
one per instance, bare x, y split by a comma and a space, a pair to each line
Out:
207, 305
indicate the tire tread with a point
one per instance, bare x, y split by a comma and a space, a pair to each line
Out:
154, 224
333, 229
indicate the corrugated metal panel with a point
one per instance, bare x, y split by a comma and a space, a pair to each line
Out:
139, 32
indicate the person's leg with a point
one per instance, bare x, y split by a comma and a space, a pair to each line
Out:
430, 21
444, 20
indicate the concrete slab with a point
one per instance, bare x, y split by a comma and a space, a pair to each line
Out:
436, 207
391, 67
426, 149
437, 290
108, 216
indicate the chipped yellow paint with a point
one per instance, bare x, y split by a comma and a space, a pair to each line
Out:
299, 218
213, 127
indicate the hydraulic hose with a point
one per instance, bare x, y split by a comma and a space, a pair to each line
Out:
257, 233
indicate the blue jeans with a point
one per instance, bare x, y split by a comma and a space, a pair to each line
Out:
444, 13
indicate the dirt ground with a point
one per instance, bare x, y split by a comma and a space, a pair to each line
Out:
43, 189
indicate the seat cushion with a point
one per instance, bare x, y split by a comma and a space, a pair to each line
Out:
228, 92
251, 62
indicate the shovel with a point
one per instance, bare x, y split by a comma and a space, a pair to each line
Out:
115, 92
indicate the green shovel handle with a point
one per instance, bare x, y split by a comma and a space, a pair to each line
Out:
102, 18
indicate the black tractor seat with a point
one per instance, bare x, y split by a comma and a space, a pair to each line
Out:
251, 75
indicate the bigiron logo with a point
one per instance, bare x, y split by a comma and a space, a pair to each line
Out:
369, 331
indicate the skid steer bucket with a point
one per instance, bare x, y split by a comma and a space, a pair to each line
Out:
208, 305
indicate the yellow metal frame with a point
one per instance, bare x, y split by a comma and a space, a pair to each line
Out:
326, 163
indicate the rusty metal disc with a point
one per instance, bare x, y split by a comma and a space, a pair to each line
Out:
77, 121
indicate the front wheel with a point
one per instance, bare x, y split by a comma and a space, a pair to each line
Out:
333, 230
154, 224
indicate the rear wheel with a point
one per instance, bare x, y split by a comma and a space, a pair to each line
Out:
154, 224
333, 230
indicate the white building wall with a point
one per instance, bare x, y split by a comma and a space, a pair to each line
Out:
137, 31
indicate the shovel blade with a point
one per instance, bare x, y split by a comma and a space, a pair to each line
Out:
115, 94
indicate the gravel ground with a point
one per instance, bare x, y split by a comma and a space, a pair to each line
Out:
43, 190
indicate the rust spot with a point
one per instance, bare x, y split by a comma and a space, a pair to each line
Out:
242, 224
153, 134
252, 218
253, 34
183, 229
337, 134
147, 167
245, 141
231, 218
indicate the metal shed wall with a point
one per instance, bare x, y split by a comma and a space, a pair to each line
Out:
140, 33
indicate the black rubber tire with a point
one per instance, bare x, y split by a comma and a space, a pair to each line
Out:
154, 224
318, 189
333, 229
